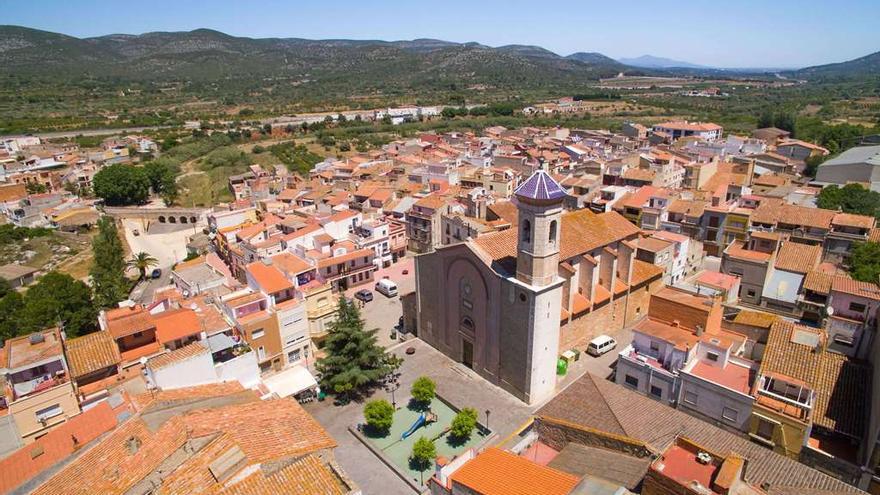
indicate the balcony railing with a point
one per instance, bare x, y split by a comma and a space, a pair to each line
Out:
795, 395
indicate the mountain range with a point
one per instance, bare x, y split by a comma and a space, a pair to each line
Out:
652, 62
351, 65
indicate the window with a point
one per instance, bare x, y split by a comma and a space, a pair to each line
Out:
765, 429
655, 346
527, 231
751, 293
293, 356
656, 391
552, 237
138, 335
631, 381
690, 397
49, 412
261, 353
259, 333
729, 414
857, 307
712, 356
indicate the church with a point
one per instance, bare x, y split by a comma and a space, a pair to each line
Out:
508, 303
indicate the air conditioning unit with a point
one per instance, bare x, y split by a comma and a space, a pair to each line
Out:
704, 458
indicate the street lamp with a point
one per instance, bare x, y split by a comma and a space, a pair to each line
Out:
487, 418
392, 387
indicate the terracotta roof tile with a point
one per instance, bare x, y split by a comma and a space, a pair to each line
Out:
497, 472
818, 282
177, 356
307, 476
850, 220
798, 258
854, 287
269, 278
176, 324
55, 446
265, 430
126, 321
92, 352
594, 402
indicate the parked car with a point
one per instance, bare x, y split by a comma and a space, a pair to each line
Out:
364, 295
600, 345
157, 272
386, 287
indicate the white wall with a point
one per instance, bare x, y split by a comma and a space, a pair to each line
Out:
244, 368
198, 370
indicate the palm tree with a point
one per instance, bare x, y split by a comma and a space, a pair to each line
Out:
142, 261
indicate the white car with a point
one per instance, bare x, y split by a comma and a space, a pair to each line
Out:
600, 345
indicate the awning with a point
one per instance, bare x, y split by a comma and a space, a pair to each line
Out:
290, 381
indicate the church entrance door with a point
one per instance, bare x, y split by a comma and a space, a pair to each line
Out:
467, 353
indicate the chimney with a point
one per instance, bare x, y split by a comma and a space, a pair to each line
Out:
699, 330
676, 323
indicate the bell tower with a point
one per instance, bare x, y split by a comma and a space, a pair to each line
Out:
540, 221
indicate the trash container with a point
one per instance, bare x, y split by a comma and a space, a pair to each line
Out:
561, 367
577, 354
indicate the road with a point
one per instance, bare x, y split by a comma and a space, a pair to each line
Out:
384, 312
165, 242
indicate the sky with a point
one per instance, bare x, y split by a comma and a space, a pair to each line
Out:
736, 33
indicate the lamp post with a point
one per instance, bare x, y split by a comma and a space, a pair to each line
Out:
487, 418
392, 387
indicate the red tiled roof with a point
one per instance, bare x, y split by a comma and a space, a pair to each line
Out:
55, 446
176, 324
269, 278
497, 472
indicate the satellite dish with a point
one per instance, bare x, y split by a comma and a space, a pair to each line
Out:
830, 311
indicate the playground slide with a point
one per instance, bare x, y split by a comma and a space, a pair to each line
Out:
415, 426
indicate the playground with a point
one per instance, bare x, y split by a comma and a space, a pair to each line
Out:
398, 449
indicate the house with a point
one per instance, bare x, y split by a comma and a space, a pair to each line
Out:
94, 361
18, 275
680, 129
39, 393
680, 328
771, 135
217, 359
811, 404
596, 404
800, 150
216, 438
423, 223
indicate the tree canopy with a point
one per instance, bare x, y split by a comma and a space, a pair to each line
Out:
162, 174
865, 262
379, 415
851, 198
464, 423
353, 360
108, 270
122, 185
423, 390
55, 299
423, 453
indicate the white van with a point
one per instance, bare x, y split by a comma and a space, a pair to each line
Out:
386, 287
600, 345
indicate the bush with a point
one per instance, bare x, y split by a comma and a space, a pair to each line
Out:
379, 415
423, 453
464, 423
258, 149
423, 390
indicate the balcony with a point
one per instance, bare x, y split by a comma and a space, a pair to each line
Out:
848, 235
785, 397
39, 384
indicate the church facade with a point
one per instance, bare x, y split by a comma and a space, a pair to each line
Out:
501, 304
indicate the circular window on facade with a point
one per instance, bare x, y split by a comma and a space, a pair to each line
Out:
522, 296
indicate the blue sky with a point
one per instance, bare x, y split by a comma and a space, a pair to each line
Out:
736, 33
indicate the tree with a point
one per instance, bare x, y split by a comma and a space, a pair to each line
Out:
10, 312
865, 262
851, 198
464, 423
423, 390
108, 269
120, 185
142, 262
353, 360
423, 453
379, 415
58, 299
35, 188
162, 176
